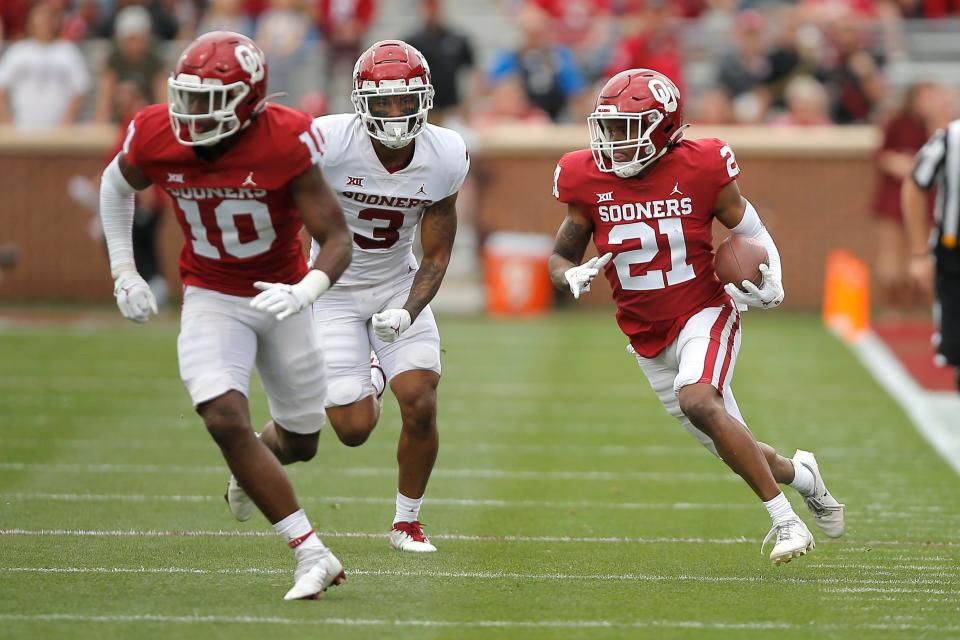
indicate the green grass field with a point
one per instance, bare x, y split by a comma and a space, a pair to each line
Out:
565, 502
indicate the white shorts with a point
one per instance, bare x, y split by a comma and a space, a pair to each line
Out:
221, 340
342, 317
704, 352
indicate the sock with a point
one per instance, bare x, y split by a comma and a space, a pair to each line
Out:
378, 380
803, 480
298, 532
779, 508
408, 509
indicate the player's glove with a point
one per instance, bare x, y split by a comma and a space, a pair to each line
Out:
579, 278
390, 323
767, 296
284, 300
133, 295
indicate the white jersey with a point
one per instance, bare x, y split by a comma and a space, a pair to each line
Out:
383, 209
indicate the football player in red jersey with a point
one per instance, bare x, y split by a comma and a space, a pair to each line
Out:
648, 198
243, 178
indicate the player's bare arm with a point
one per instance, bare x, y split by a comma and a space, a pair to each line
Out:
571, 243
437, 232
568, 250
737, 214
323, 218
132, 173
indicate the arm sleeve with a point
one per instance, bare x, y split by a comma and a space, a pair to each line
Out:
752, 227
929, 160
116, 215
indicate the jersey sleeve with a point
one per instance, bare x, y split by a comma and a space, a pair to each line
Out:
929, 160
564, 181
308, 144
133, 145
459, 162
722, 162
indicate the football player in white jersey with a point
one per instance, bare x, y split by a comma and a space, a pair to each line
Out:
392, 172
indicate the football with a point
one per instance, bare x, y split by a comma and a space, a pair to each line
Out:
738, 258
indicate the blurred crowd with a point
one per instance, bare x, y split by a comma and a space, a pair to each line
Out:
801, 63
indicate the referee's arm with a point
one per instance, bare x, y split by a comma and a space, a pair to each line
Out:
914, 203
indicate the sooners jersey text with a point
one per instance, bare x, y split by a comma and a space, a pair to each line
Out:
658, 225
383, 209
238, 218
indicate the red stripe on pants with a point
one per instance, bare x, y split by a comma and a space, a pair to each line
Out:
711, 361
728, 356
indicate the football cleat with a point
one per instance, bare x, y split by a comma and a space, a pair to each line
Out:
315, 575
241, 506
409, 536
827, 512
792, 540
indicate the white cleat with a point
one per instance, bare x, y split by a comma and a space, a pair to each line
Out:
314, 576
793, 540
241, 506
409, 536
827, 512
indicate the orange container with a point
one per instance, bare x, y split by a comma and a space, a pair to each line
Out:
846, 295
517, 279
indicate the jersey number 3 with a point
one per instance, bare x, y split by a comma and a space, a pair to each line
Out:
679, 270
384, 236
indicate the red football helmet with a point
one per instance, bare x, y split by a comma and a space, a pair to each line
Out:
392, 92
219, 84
638, 118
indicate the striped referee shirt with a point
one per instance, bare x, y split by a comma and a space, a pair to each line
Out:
938, 164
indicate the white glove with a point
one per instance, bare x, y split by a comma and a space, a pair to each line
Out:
769, 295
389, 324
134, 296
579, 278
284, 300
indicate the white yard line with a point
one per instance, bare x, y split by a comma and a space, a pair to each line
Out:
930, 412
450, 502
605, 476
849, 544
479, 575
459, 624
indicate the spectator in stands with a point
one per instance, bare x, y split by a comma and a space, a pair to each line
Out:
799, 51
226, 15
133, 58
650, 41
282, 32
448, 52
509, 104
584, 26
856, 80
713, 107
807, 104
903, 134
744, 67
79, 22
343, 25
13, 19
550, 74
165, 17
43, 79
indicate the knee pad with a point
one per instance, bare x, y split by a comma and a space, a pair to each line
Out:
421, 356
345, 391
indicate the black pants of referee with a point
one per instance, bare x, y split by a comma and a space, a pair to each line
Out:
948, 299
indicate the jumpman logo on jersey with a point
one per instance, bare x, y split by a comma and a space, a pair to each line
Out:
422, 189
248, 182
676, 189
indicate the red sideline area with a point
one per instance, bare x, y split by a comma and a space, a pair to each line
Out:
909, 340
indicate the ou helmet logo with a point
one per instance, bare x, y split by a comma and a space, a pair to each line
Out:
666, 93
250, 61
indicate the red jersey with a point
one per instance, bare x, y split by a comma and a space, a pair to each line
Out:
658, 225
237, 215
